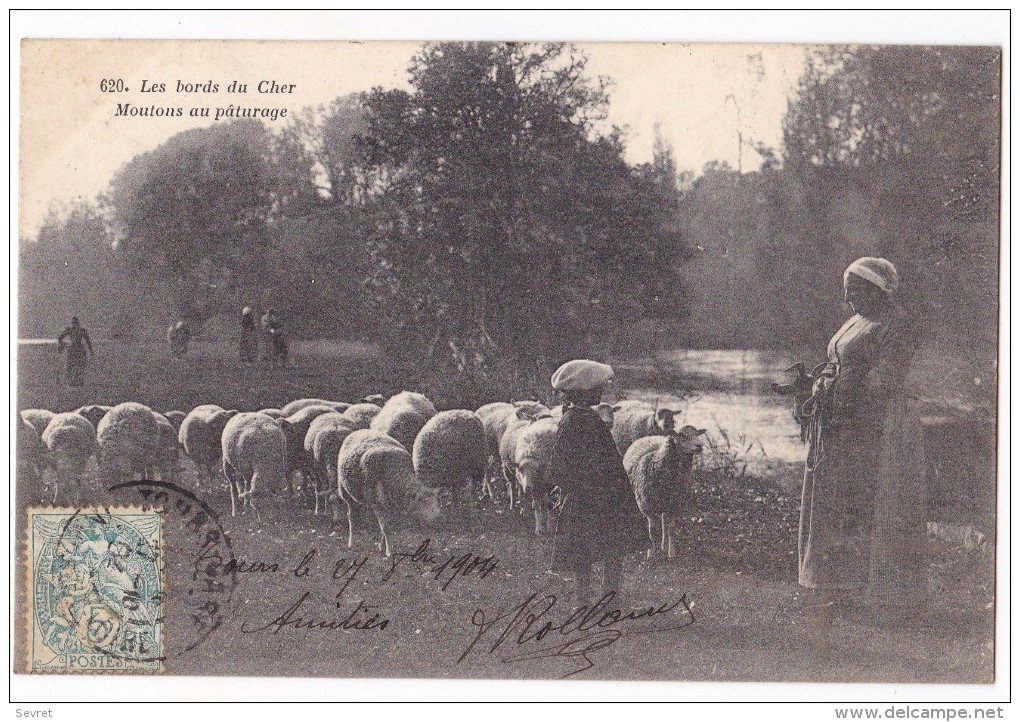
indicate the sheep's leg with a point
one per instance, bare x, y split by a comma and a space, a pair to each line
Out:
314, 473
228, 472
536, 505
668, 522
654, 535
383, 545
350, 522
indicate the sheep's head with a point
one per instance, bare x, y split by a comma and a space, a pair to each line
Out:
688, 439
529, 410
665, 420
606, 412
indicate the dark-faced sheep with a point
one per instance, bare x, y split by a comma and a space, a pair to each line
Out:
200, 436
450, 451
633, 420
254, 451
322, 443
70, 441
295, 427
376, 473
659, 469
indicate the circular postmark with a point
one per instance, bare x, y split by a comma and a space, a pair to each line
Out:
202, 589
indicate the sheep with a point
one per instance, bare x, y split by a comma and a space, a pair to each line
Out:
376, 472
360, 415
176, 418
94, 413
495, 418
200, 435
128, 437
294, 406
70, 441
450, 451
633, 420
31, 452
375, 399
802, 390
508, 449
273, 413
322, 444
532, 457
254, 451
659, 469
165, 454
295, 427
419, 402
400, 421
38, 419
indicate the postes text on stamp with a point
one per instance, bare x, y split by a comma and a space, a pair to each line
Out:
96, 586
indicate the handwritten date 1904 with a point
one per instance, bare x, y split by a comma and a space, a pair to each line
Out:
453, 566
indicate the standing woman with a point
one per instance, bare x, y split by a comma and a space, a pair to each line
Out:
862, 525
599, 520
249, 336
75, 339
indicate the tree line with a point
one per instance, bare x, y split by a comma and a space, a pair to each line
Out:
486, 224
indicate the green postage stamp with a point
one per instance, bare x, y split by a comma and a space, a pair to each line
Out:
95, 596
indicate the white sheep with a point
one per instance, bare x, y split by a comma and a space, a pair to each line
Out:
70, 441
31, 452
322, 443
128, 438
360, 415
94, 413
532, 460
273, 413
450, 451
633, 420
165, 454
419, 402
374, 471
294, 406
200, 437
38, 419
659, 469
399, 420
495, 418
254, 451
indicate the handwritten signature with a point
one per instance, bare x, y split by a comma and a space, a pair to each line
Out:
588, 628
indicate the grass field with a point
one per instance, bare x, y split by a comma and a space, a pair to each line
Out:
736, 564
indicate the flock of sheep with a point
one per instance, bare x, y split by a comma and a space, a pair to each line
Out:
396, 458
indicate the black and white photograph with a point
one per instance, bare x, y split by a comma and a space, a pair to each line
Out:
493, 359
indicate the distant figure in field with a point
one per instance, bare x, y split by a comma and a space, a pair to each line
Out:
76, 340
249, 336
179, 336
267, 323
279, 346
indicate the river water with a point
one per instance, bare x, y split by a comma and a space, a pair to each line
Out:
728, 393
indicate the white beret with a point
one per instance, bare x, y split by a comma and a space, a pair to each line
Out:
582, 375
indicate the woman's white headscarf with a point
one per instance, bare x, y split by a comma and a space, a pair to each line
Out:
878, 271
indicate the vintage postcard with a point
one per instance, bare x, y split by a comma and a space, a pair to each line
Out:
508, 361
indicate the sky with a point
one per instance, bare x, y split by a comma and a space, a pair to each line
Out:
704, 94
72, 142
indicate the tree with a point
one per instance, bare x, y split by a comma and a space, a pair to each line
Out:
508, 229
196, 209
